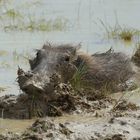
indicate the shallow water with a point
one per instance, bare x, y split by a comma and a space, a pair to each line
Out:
20, 126
84, 27
132, 96
17, 126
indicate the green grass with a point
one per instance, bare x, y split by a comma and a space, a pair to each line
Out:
128, 34
3, 53
5, 65
13, 20
13, 14
119, 32
16, 56
2, 89
21, 57
77, 80
57, 24
44, 26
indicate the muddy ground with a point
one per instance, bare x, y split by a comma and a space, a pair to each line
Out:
102, 119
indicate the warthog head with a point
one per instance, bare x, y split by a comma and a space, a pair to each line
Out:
51, 63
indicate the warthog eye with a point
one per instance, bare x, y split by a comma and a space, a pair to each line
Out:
67, 58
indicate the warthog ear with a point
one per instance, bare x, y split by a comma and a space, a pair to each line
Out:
47, 46
35, 50
20, 71
75, 49
111, 50
31, 62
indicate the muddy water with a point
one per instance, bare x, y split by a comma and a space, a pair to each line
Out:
84, 26
132, 96
79, 121
20, 126
14, 125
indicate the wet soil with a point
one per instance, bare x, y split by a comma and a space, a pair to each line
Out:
104, 128
97, 119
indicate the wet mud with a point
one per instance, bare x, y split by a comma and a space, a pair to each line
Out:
104, 126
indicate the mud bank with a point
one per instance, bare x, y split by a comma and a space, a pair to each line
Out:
93, 119
104, 126
23, 107
97, 118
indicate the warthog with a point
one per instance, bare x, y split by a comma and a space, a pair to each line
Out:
106, 70
57, 73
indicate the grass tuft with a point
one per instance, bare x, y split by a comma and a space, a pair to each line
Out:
119, 32
128, 34
77, 80
57, 24
2, 89
13, 14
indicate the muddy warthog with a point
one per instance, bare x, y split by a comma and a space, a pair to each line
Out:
106, 70
57, 73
